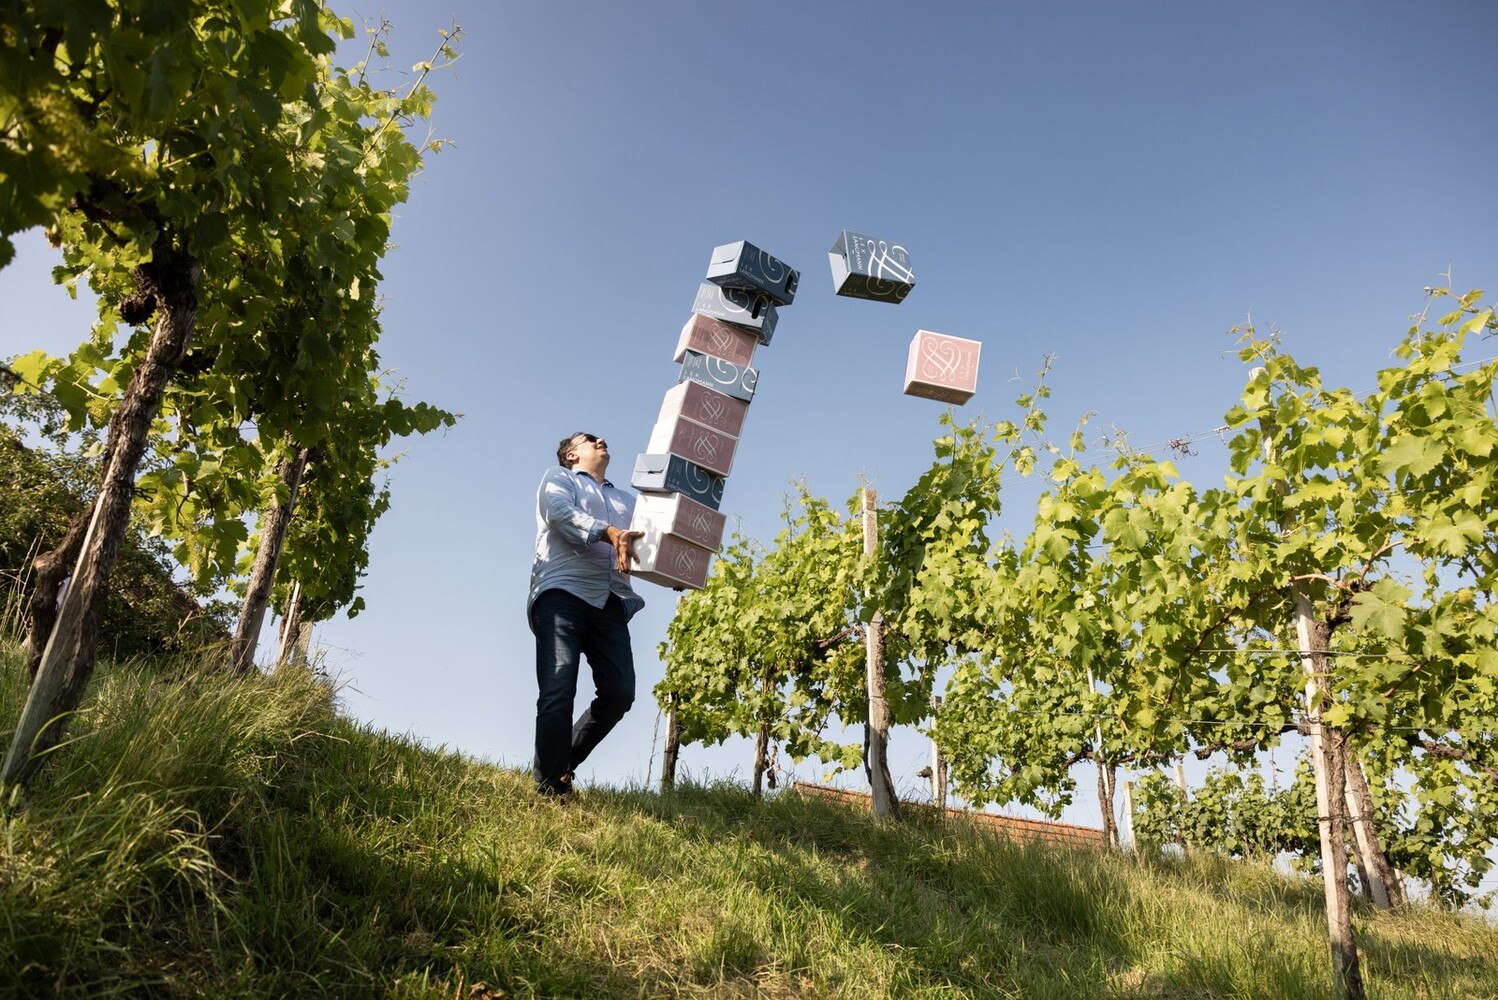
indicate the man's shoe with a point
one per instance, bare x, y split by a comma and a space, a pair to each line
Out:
561, 794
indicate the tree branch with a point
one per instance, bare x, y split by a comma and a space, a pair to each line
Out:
1444, 752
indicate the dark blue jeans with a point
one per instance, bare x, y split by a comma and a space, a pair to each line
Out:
567, 626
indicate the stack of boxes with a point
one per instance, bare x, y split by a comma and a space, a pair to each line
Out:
680, 477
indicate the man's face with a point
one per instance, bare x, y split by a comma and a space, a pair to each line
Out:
589, 450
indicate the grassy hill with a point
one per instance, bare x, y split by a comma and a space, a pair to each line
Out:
202, 837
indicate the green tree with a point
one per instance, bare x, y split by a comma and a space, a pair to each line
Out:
168, 159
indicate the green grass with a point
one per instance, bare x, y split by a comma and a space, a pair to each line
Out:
202, 837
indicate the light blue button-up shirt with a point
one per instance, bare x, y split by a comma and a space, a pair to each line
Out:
573, 510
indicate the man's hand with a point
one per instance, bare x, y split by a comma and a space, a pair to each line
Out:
621, 541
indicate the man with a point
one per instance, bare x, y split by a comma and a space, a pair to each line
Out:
580, 604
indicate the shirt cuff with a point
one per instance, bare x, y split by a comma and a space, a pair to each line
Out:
599, 529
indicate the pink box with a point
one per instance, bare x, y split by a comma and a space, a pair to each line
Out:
713, 450
713, 336
674, 514
696, 402
942, 367
669, 560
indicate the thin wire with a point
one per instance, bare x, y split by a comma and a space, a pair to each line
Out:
1298, 652
654, 735
1246, 723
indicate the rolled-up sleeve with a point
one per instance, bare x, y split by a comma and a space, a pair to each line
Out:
565, 515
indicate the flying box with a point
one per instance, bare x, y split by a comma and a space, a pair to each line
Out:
666, 473
738, 381
674, 514
941, 367
706, 335
668, 560
713, 450
867, 268
696, 402
751, 310
744, 265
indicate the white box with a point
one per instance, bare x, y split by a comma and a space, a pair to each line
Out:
712, 450
707, 335
666, 559
699, 404
674, 514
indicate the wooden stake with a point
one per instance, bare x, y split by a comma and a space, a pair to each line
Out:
1180, 773
669, 754
1104, 779
67, 661
263, 576
1128, 804
51, 678
1383, 885
938, 765
291, 627
762, 738
1327, 756
881, 784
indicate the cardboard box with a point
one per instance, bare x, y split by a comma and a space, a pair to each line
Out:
738, 381
675, 514
751, 310
744, 265
667, 473
867, 268
713, 450
669, 560
706, 335
708, 407
942, 367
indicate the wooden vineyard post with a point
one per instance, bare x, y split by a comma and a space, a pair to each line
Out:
672, 748
1104, 780
276, 523
881, 785
1128, 811
1180, 772
668, 755
51, 676
938, 766
1328, 750
1383, 883
1328, 747
291, 628
762, 738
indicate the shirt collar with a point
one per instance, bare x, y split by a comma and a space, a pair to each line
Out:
580, 472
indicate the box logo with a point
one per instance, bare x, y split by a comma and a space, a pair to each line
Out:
685, 562
705, 446
946, 361
713, 409
722, 341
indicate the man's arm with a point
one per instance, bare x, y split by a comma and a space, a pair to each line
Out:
563, 514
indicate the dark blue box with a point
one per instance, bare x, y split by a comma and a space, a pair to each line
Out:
864, 267
751, 310
744, 265
738, 381
668, 473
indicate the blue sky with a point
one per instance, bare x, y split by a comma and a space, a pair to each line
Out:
1115, 184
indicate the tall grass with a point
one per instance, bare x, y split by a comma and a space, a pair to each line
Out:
208, 837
